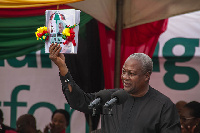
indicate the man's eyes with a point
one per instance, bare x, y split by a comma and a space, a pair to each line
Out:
129, 73
132, 73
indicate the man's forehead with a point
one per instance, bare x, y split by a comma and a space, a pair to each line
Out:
129, 68
132, 63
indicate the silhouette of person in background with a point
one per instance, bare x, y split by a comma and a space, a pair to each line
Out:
5, 128
27, 124
59, 122
190, 118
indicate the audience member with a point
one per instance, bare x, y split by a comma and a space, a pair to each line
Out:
27, 124
4, 128
190, 118
59, 122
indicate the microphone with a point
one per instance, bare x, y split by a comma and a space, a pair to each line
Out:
100, 98
118, 97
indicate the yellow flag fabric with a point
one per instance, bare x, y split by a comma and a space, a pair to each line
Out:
32, 3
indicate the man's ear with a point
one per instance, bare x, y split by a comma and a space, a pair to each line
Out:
147, 75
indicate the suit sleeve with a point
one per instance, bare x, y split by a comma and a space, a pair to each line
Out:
77, 99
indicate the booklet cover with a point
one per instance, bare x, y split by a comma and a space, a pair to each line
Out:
63, 28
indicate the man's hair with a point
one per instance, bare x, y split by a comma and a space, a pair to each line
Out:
64, 112
195, 107
146, 61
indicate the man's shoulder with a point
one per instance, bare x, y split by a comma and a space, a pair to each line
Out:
160, 97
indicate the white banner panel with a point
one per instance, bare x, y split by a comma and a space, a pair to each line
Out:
178, 66
31, 84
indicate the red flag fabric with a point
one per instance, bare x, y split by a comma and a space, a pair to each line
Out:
138, 39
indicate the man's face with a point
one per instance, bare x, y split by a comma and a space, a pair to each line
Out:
61, 27
134, 81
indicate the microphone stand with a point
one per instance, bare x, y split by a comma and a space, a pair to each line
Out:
107, 111
102, 124
95, 111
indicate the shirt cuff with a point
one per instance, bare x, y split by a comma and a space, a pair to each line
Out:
66, 79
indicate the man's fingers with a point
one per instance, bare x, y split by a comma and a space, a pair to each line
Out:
52, 47
57, 50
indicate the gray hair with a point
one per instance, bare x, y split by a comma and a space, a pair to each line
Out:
146, 61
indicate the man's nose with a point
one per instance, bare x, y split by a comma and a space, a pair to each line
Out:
125, 76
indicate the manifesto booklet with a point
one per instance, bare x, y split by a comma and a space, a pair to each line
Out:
63, 28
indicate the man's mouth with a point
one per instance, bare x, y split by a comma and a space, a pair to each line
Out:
126, 84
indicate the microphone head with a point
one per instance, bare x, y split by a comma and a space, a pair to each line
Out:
104, 95
121, 96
